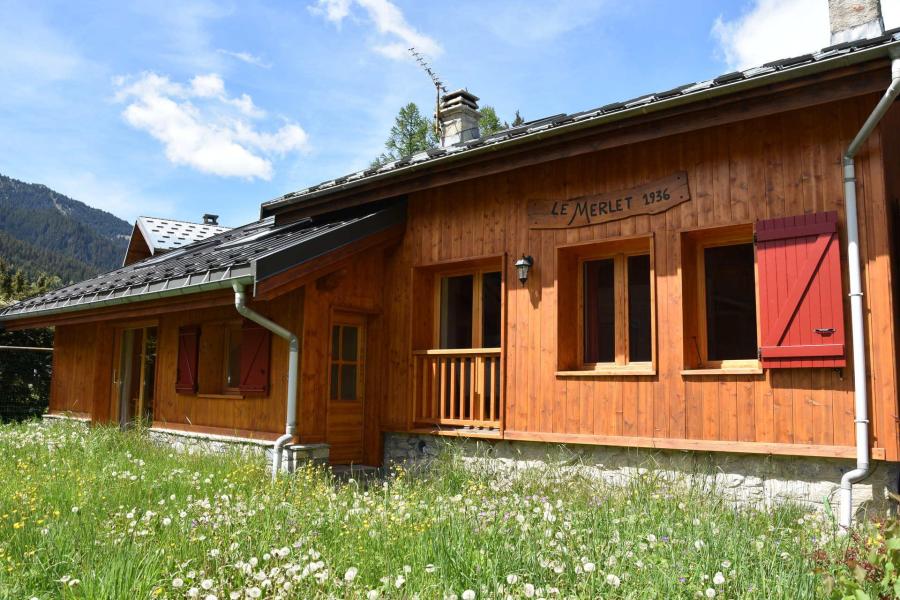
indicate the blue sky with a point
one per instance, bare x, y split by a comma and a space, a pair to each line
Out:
178, 108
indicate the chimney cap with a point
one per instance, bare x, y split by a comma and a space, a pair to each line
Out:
210, 219
459, 98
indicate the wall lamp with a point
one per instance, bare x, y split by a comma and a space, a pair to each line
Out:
523, 266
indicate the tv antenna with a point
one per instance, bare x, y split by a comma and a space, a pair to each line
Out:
438, 87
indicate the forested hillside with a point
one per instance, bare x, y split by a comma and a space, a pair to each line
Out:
44, 231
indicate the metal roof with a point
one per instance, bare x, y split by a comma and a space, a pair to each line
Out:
248, 254
168, 234
779, 70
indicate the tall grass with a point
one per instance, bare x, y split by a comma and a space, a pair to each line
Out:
106, 514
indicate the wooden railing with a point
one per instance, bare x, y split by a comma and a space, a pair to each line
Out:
459, 388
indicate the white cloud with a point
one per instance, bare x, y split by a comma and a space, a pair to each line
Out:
246, 57
773, 29
396, 34
202, 127
522, 24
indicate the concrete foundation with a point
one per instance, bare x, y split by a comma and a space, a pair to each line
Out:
749, 479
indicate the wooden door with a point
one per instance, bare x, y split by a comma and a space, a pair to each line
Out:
346, 387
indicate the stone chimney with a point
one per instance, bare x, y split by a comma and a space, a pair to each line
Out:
459, 117
853, 20
210, 219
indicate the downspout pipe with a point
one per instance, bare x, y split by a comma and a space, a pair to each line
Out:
857, 324
290, 427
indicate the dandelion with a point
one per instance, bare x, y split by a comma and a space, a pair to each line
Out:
75, 510
718, 578
177, 582
398, 583
254, 592
710, 593
613, 580
167, 521
699, 544
512, 578
529, 590
350, 575
373, 594
468, 595
206, 584
726, 564
589, 567
193, 593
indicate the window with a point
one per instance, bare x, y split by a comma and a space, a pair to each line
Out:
232, 370
346, 362
605, 302
223, 358
720, 300
470, 310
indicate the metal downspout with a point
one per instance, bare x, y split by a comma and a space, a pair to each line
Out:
860, 392
290, 427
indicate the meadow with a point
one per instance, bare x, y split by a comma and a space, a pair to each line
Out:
104, 514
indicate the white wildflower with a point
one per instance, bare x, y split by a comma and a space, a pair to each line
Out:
718, 578
373, 594
350, 575
589, 567
206, 584
177, 582
710, 593
254, 592
511, 579
468, 595
613, 580
529, 590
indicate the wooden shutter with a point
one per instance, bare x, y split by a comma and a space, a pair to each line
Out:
255, 344
801, 302
188, 347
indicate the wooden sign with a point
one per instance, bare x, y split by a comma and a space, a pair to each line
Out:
649, 199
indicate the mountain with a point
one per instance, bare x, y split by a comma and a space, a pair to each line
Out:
44, 231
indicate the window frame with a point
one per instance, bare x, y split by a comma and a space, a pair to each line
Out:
230, 328
341, 319
218, 371
477, 273
700, 240
619, 250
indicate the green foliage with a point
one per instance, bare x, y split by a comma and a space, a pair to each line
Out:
489, 122
412, 132
870, 565
44, 231
518, 120
98, 513
24, 374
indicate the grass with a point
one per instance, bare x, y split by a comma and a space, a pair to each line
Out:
105, 514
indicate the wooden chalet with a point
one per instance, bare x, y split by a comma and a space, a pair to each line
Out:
673, 271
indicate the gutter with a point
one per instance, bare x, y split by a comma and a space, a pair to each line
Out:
860, 392
290, 427
168, 289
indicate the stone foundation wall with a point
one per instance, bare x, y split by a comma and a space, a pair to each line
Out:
750, 479
199, 443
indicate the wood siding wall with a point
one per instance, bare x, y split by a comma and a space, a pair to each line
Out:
257, 413
781, 165
82, 369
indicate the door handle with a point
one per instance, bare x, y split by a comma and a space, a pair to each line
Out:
826, 331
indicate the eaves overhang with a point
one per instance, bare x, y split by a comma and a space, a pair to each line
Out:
552, 128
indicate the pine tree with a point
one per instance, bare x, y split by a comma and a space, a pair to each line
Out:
411, 133
518, 120
489, 122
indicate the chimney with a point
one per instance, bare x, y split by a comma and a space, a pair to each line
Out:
209, 219
459, 117
853, 20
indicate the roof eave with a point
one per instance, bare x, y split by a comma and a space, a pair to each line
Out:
778, 76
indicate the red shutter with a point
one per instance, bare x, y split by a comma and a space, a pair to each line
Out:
800, 297
188, 347
255, 344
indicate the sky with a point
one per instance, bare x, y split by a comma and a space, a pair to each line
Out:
178, 108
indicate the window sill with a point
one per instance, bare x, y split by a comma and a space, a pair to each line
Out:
222, 396
722, 371
610, 372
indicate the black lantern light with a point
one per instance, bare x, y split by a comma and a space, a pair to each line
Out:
523, 265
